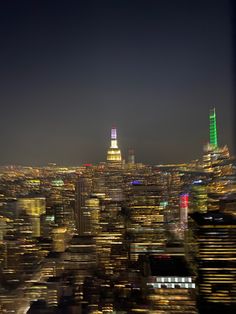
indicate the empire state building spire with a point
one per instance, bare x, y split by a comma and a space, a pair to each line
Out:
113, 153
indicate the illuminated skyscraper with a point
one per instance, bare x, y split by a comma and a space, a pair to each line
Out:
212, 239
34, 207
183, 208
216, 159
213, 129
145, 226
114, 153
198, 196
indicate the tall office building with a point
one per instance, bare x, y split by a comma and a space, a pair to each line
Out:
183, 210
218, 163
114, 153
145, 223
216, 159
83, 191
213, 129
33, 207
198, 196
212, 145
212, 243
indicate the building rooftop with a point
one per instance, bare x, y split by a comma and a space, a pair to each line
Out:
166, 265
213, 218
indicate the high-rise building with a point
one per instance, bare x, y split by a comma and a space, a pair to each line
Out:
114, 153
198, 196
218, 163
83, 191
145, 223
212, 246
33, 207
183, 210
216, 160
213, 129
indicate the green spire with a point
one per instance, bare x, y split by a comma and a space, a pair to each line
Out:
213, 129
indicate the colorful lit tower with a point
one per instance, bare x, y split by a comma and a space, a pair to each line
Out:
114, 153
183, 208
213, 129
211, 148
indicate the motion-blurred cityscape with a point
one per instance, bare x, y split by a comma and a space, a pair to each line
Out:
120, 236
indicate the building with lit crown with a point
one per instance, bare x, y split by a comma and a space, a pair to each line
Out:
216, 159
114, 153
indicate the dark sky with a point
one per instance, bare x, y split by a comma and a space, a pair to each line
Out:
70, 70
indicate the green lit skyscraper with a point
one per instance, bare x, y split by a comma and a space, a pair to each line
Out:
213, 129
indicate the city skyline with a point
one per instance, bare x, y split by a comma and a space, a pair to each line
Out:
118, 160
71, 71
120, 237
114, 150
114, 154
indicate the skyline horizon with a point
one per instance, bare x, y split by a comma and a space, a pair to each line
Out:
126, 154
72, 70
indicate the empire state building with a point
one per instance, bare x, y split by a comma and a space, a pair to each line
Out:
114, 153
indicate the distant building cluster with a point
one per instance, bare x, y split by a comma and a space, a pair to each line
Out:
120, 237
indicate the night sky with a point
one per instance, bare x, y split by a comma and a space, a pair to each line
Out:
70, 70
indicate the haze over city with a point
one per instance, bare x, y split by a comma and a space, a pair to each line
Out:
70, 70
